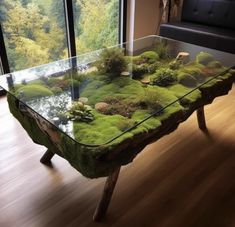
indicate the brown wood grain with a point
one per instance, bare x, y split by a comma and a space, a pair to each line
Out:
186, 179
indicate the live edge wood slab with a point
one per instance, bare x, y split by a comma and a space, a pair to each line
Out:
94, 162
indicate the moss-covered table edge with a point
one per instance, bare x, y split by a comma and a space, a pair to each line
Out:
106, 160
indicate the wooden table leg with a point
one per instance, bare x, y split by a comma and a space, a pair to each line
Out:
46, 158
201, 118
106, 196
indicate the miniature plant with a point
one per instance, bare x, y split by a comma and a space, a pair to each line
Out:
162, 50
139, 70
112, 61
204, 58
80, 112
163, 77
174, 65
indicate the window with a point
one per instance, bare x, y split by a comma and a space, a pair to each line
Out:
96, 24
34, 32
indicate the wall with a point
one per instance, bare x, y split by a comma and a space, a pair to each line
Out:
147, 17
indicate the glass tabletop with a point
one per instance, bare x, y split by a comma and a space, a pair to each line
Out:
100, 96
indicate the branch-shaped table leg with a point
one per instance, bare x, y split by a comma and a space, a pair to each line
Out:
201, 118
46, 158
106, 196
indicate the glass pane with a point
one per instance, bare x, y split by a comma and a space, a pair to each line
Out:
114, 94
34, 32
96, 24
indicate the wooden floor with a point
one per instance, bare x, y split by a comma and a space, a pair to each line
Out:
186, 179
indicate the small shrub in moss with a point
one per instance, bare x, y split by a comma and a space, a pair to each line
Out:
153, 67
204, 58
80, 112
162, 50
174, 65
112, 61
139, 70
149, 57
187, 80
164, 77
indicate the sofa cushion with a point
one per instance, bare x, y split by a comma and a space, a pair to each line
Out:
203, 35
220, 13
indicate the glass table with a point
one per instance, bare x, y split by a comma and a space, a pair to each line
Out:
100, 109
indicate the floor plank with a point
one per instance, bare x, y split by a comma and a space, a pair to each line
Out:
185, 179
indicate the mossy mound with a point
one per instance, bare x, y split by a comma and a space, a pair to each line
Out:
187, 80
179, 91
204, 58
31, 91
149, 57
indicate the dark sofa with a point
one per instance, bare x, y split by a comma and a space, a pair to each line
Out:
209, 23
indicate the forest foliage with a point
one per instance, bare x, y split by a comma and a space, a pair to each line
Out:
35, 32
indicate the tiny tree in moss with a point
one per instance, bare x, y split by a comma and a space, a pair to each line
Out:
112, 61
164, 77
162, 50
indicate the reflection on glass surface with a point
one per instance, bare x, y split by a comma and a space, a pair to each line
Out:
34, 32
114, 92
96, 24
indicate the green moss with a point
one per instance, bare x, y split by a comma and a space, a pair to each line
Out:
187, 80
204, 58
163, 77
139, 70
99, 131
179, 91
31, 91
37, 82
123, 86
112, 61
214, 64
149, 57
125, 124
56, 90
195, 70
162, 50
